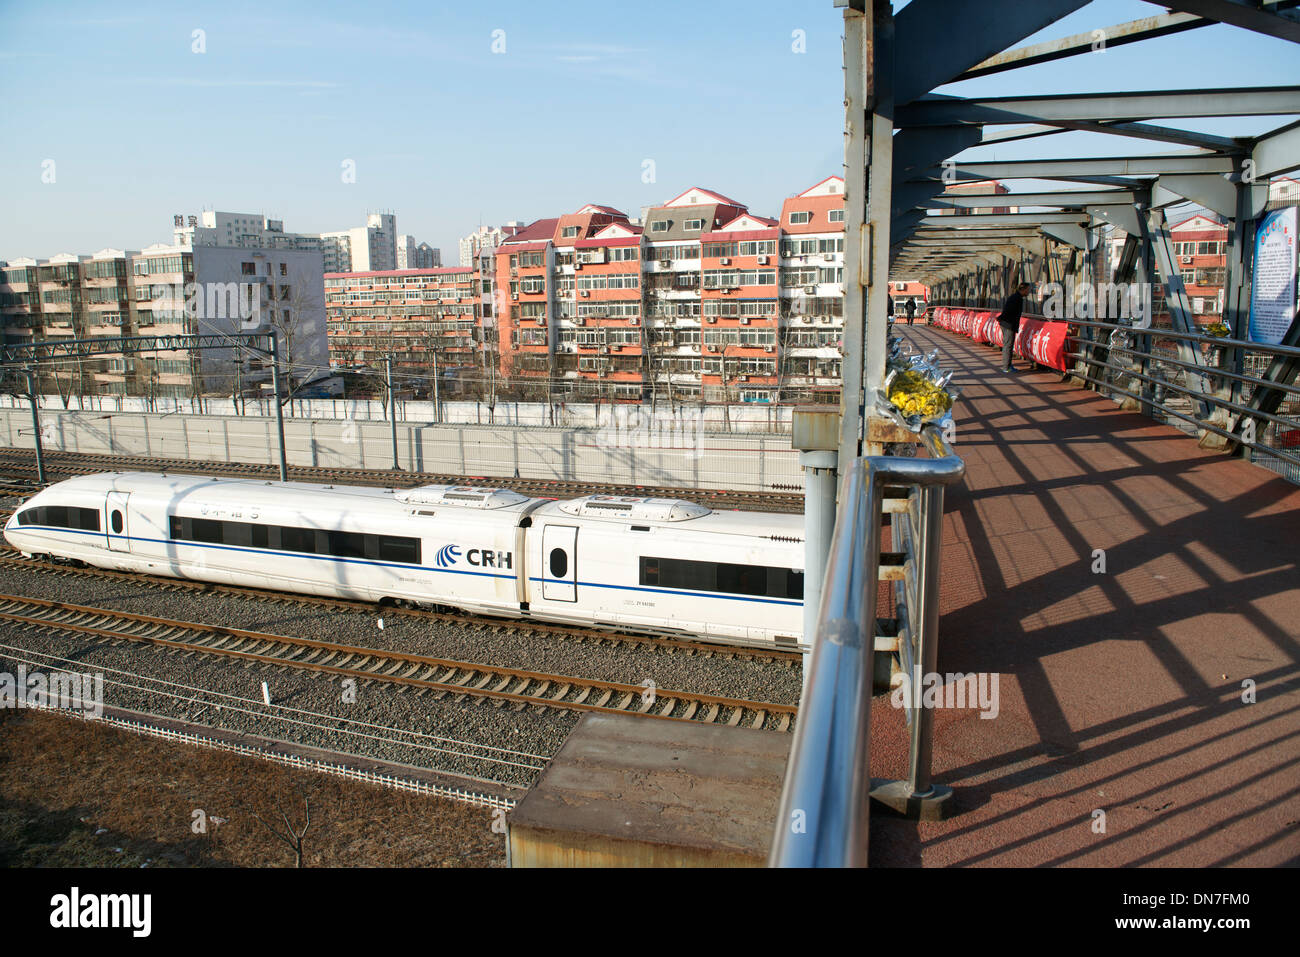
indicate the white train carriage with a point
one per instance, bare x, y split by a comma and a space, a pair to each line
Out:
431, 545
659, 565
668, 565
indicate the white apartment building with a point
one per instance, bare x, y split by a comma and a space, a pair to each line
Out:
231, 289
406, 247
243, 230
371, 247
413, 255
485, 238
368, 248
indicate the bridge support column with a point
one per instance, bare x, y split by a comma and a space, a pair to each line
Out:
815, 433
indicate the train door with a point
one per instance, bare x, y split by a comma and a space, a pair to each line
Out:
115, 522
560, 563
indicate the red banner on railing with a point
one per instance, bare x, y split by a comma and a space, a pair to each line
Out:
1040, 340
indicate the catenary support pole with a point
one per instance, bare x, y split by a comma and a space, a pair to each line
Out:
392, 407
279, 409
437, 413
36, 430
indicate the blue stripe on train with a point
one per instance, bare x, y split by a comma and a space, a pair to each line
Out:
424, 568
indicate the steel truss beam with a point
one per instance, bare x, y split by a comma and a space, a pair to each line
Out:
1115, 35
13, 354
1101, 107
1248, 14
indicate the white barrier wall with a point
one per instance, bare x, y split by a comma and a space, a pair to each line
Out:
751, 417
629, 452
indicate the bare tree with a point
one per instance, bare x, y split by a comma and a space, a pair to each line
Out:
291, 834
297, 320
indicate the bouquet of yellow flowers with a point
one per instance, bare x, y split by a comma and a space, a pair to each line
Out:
1217, 329
913, 394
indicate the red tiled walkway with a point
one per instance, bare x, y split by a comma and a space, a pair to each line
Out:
1121, 692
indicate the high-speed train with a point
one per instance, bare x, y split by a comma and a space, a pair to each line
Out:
639, 564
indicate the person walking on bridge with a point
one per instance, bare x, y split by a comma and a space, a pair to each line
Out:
1009, 320
911, 310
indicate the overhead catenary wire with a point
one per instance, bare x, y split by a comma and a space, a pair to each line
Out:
187, 693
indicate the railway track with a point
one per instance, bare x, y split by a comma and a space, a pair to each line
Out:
418, 674
18, 470
11, 558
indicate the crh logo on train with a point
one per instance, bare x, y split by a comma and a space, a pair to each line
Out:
66, 690
489, 558
449, 555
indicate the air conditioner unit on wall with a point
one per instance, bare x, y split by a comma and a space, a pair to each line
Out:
724, 261
762, 260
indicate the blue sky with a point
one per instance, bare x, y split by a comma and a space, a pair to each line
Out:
447, 133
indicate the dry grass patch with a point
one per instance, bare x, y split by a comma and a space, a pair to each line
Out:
83, 794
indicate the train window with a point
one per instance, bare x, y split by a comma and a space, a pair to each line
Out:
347, 544
559, 562
61, 516
116, 519
297, 539
393, 548
728, 577
289, 538
206, 530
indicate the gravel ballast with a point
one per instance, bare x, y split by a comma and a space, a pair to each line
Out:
538, 732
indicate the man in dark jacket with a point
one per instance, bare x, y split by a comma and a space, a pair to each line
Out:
911, 310
1009, 320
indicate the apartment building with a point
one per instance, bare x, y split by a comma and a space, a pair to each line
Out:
413, 255
674, 247
604, 350
368, 248
1200, 247
591, 283
811, 286
373, 246
424, 319
169, 290
741, 310
525, 307
700, 299
485, 237
245, 230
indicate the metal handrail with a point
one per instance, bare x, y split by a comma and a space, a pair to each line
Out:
1200, 396
1163, 332
823, 814
1165, 410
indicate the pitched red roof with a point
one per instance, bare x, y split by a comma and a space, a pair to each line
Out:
537, 230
